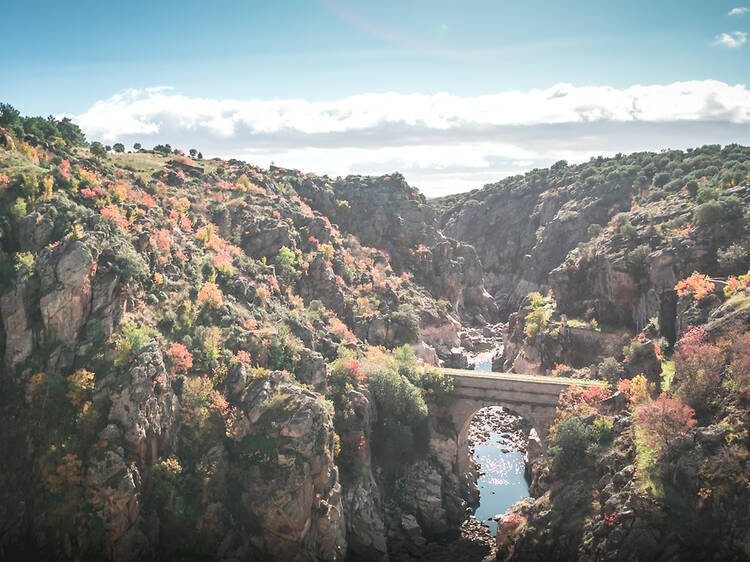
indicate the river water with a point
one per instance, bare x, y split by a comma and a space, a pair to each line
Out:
501, 467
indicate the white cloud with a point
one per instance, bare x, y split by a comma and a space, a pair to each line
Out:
741, 11
442, 143
731, 40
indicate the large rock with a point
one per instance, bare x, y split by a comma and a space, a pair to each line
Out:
147, 409
288, 481
15, 309
65, 275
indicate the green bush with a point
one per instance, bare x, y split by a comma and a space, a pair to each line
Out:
283, 351
570, 443
286, 263
127, 264
611, 370
637, 260
396, 397
594, 230
732, 259
603, 428
406, 320
25, 260
628, 231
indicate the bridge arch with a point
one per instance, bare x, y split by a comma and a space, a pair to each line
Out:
535, 398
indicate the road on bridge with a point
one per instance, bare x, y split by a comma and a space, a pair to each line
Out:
522, 378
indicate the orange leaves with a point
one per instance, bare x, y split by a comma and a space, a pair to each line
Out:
211, 240
161, 240
736, 284
210, 295
113, 212
697, 285
180, 357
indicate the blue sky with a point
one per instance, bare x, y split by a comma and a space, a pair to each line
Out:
67, 57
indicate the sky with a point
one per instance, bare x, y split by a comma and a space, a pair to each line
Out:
452, 94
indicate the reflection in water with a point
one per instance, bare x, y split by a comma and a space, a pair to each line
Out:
502, 483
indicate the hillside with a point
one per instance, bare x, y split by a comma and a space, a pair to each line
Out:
205, 359
172, 326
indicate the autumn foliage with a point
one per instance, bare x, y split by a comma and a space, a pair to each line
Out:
180, 357
697, 285
664, 419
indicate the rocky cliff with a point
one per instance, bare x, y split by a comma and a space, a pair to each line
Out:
168, 328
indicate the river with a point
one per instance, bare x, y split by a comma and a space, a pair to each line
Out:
501, 465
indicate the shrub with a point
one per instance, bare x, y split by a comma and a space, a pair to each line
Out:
732, 258
397, 397
133, 339
210, 296
698, 367
406, 319
603, 427
628, 231
180, 357
718, 212
570, 443
611, 370
637, 260
80, 386
25, 260
661, 179
343, 375
286, 265
594, 230
283, 351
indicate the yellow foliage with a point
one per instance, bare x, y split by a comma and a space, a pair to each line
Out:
80, 384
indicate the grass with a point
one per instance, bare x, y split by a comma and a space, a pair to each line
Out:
667, 374
138, 161
647, 475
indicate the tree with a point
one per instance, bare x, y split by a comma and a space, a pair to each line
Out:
664, 419
698, 368
108, 148
193, 152
661, 179
70, 132
137, 146
200, 156
10, 118
97, 149
118, 147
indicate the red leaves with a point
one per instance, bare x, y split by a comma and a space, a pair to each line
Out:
664, 419
181, 358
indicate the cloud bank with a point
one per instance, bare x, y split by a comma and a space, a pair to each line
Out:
442, 143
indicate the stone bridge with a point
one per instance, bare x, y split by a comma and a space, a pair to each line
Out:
533, 397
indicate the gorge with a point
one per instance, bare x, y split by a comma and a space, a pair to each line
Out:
205, 359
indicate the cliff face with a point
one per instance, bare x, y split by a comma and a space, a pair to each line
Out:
523, 228
386, 213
